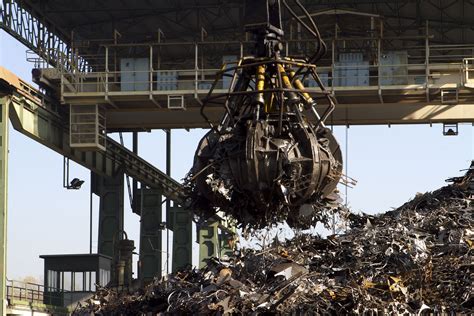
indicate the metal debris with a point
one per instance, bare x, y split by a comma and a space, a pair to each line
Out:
271, 157
417, 258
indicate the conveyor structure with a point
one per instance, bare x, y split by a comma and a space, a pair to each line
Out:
33, 114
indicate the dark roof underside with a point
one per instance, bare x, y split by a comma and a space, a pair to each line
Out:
182, 20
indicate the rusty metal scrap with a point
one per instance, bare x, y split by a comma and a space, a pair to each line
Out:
417, 258
260, 177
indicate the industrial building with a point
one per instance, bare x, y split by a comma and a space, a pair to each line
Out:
106, 67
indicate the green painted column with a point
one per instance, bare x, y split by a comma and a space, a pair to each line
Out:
228, 237
227, 241
5, 104
150, 206
208, 243
110, 191
181, 223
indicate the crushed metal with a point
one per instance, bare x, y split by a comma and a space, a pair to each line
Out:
259, 178
412, 260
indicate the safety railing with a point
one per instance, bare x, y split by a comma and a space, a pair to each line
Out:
35, 294
69, 63
160, 68
196, 81
141, 81
468, 72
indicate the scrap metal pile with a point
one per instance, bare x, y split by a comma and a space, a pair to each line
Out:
416, 258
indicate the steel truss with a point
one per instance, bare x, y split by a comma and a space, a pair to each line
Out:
40, 36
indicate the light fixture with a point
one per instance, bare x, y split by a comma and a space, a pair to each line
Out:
75, 184
450, 129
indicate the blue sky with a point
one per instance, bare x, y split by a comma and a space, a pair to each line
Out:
390, 164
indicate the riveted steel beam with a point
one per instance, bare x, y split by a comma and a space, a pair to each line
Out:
150, 261
208, 242
49, 129
180, 221
111, 222
35, 115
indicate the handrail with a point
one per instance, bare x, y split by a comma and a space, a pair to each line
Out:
77, 73
34, 293
338, 75
468, 72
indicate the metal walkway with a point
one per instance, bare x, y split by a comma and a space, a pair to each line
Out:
24, 298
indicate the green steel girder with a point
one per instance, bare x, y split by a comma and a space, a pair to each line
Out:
39, 35
4, 104
150, 263
228, 236
208, 242
181, 222
31, 118
227, 241
111, 221
216, 239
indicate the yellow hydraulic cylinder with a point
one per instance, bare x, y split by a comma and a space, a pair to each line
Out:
284, 77
260, 84
299, 85
292, 96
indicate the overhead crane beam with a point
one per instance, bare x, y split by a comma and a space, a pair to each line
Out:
344, 114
